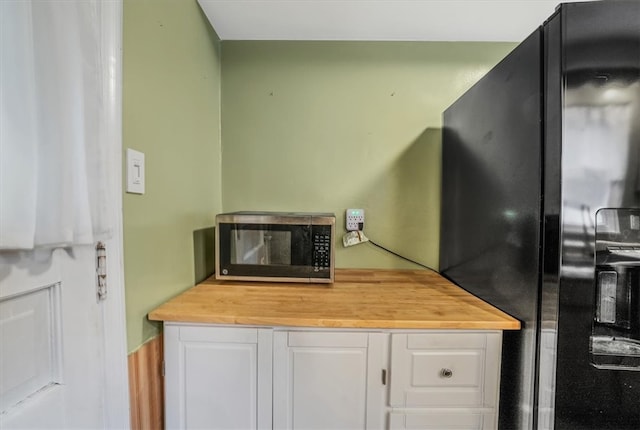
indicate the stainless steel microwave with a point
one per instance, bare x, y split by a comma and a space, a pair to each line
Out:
275, 246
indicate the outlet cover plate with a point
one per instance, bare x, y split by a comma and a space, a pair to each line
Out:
354, 217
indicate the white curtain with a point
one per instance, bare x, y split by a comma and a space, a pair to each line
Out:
53, 158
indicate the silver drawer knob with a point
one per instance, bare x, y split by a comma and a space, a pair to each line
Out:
446, 373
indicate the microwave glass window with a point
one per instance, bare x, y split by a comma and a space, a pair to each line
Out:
260, 247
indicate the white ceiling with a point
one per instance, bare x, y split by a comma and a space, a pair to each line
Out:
424, 20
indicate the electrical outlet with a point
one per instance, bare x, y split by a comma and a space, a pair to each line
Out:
355, 219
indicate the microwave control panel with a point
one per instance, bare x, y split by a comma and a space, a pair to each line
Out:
321, 248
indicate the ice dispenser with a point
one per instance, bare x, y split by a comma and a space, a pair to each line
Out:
615, 339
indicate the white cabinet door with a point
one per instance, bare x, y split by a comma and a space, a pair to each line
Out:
328, 380
217, 378
441, 420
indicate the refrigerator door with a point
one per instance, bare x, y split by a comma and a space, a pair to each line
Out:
490, 216
599, 146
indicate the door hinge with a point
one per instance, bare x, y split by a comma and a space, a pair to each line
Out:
101, 271
162, 368
384, 376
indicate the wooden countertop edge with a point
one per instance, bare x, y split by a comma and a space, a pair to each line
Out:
381, 324
211, 302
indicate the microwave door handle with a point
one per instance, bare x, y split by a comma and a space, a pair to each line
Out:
267, 249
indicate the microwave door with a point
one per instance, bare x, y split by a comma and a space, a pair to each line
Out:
262, 247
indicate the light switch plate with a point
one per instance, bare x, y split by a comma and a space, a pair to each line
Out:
135, 171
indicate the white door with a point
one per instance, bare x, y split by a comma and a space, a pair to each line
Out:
328, 380
63, 352
51, 330
217, 377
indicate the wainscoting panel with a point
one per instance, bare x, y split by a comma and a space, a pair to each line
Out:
146, 386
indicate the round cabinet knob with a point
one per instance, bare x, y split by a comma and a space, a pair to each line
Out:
446, 373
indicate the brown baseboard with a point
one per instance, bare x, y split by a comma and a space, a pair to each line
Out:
146, 386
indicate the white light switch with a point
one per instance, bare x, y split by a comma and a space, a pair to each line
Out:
135, 172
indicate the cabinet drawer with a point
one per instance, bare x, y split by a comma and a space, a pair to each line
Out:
442, 421
445, 369
451, 368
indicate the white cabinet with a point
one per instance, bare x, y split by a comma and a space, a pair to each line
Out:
442, 420
225, 377
217, 378
445, 380
328, 380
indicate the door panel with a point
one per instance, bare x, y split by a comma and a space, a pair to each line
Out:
441, 421
52, 355
233, 366
31, 343
217, 377
327, 380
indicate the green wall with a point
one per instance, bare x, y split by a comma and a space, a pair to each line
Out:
326, 126
301, 126
171, 112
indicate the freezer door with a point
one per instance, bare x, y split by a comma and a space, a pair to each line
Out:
599, 202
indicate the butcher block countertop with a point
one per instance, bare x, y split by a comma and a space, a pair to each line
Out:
359, 298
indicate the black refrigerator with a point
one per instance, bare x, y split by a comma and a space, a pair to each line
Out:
541, 215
